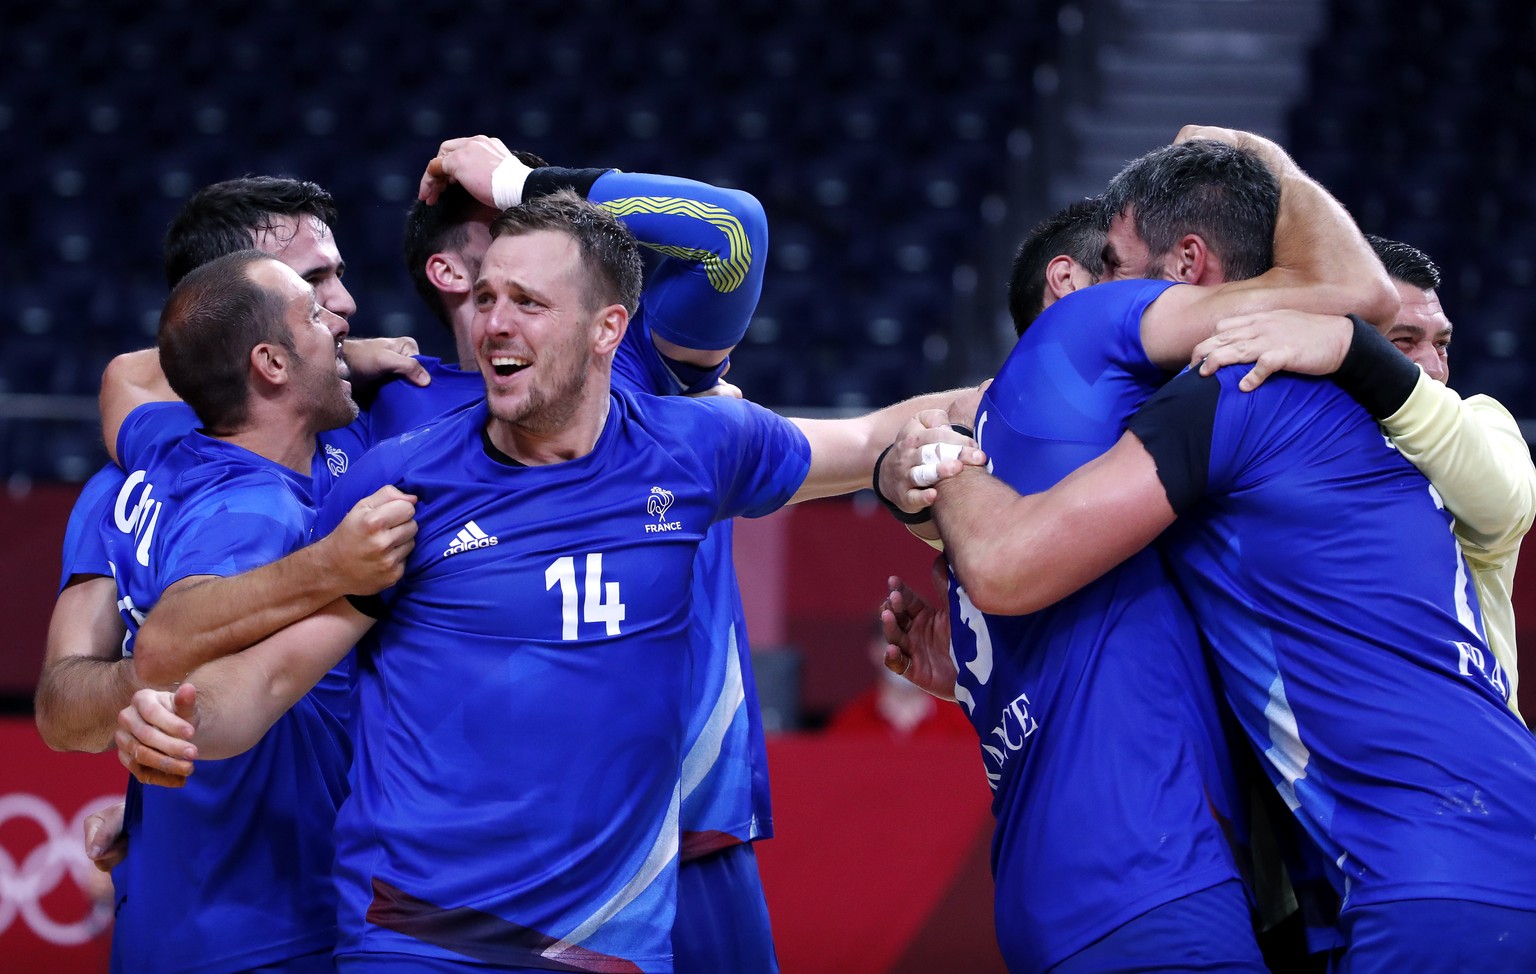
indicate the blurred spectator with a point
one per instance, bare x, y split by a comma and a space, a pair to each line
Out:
897, 708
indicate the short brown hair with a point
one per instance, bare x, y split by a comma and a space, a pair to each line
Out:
608, 250
214, 317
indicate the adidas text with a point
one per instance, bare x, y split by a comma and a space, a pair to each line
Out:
469, 538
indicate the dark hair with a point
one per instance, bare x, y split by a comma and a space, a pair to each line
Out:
608, 250
1405, 262
1076, 231
1224, 194
226, 217
441, 228
213, 318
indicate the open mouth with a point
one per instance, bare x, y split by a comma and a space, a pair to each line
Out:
508, 365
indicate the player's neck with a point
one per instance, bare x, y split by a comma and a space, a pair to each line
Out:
533, 444
285, 440
462, 345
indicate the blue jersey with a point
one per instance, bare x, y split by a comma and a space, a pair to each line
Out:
1322, 569
400, 406
237, 862
84, 551
334, 451
714, 250
1097, 719
521, 704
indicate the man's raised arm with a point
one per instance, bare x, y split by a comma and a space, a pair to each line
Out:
1322, 263
713, 242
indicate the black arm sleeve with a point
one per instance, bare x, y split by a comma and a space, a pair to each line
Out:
1175, 426
547, 179
1375, 373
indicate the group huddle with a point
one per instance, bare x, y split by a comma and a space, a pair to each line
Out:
464, 674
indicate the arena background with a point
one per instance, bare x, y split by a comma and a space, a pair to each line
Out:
901, 148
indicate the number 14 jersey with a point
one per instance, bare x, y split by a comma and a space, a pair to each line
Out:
521, 707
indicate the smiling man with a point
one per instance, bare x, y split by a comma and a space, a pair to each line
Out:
522, 706
245, 343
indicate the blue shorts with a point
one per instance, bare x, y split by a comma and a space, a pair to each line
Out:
1210, 931
722, 917
1409, 936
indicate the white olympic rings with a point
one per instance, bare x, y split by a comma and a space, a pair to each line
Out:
23, 885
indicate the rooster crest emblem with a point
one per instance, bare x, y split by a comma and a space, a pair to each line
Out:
335, 460
658, 502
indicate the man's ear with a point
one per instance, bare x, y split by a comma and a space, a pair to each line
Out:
270, 363
1192, 261
1058, 277
448, 274
608, 329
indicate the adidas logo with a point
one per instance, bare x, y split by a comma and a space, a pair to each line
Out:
469, 538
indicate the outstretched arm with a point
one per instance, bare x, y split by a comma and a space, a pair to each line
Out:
844, 451
204, 617
227, 705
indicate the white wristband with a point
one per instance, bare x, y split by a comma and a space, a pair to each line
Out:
507, 181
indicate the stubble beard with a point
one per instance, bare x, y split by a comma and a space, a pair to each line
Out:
330, 405
544, 412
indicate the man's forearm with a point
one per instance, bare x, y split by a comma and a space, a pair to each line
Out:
1317, 239
975, 514
198, 623
241, 696
77, 701
843, 451
1018, 554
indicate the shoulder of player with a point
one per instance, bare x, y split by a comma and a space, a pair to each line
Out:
1092, 314
152, 428
683, 414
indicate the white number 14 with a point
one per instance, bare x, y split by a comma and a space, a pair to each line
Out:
603, 603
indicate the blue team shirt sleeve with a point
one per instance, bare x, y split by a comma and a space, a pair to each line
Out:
152, 425
248, 523
85, 551
1077, 373
758, 459
713, 243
